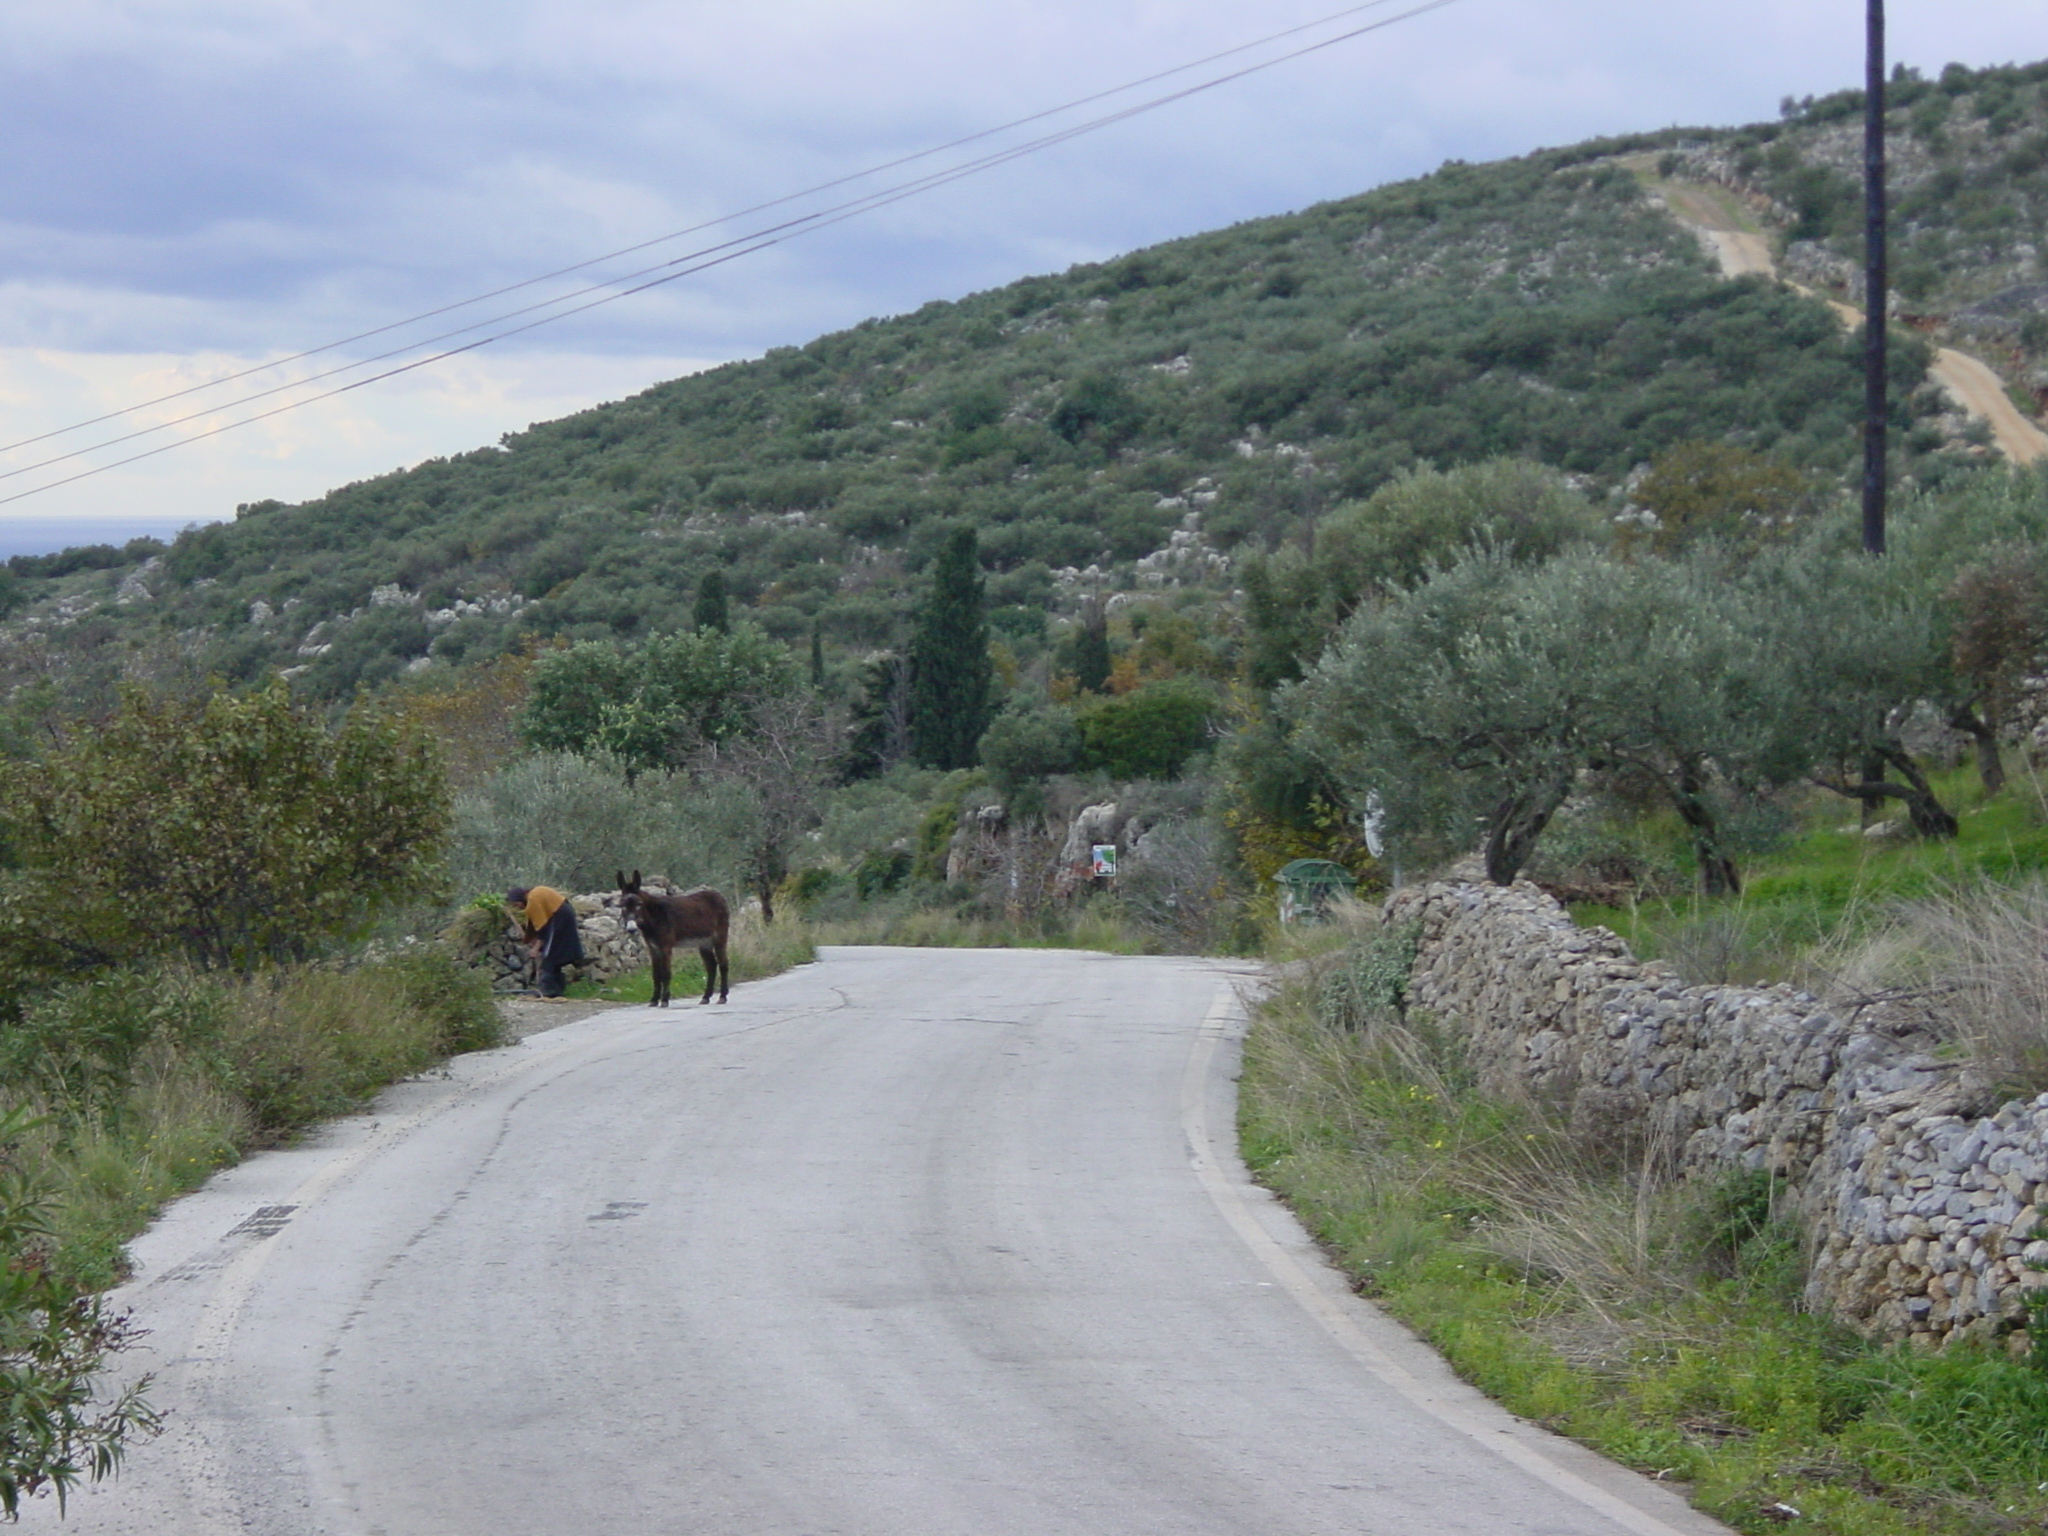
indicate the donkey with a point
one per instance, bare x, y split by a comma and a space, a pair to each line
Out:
700, 917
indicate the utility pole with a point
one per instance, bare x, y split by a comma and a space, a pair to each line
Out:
1876, 284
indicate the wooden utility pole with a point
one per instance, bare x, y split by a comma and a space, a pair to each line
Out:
1876, 285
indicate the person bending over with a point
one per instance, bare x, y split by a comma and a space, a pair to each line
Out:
547, 922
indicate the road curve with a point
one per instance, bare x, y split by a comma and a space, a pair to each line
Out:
906, 1241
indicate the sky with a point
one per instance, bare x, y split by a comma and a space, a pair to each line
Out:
197, 188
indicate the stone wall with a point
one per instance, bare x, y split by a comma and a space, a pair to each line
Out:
611, 950
1921, 1194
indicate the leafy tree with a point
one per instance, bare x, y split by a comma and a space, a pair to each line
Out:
1693, 698
571, 691
54, 1338
1998, 631
1025, 747
775, 774
233, 830
952, 679
1427, 518
1149, 733
1863, 647
1699, 490
1482, 696
1423, 520
653, 705
1450, 714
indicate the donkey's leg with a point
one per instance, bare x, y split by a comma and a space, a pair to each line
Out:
724, 971
659, 955
708, 956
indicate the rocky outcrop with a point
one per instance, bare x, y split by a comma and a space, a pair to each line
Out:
1922, 1197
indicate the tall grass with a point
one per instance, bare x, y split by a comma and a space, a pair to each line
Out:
145, 1082
1974, 960
1564, 1268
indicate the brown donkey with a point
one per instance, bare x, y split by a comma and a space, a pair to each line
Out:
698, 917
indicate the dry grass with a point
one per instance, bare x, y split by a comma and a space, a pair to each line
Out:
1974, 959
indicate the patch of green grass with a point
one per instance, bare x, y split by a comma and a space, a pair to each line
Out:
1833, 879
147, 1082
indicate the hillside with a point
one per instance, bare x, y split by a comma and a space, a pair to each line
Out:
1129, 425
1967, 162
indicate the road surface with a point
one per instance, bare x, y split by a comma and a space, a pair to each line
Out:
902, 1243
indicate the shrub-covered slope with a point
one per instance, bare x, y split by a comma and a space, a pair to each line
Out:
1147, 415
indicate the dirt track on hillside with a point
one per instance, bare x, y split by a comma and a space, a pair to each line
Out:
1743, 250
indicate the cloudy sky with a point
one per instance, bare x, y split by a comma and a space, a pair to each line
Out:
194, 188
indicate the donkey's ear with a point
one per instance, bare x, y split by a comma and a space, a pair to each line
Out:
636, 879
622, 879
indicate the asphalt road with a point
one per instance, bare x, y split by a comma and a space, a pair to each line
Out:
947, 1243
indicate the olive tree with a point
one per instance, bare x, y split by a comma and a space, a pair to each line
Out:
1411, 527
1863, 645
653, 705
1462, 705
1475, 702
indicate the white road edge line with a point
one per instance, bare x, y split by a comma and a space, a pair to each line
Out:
1333, 1311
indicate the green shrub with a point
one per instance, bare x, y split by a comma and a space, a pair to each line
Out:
1150, 733
54, 1337
230, 831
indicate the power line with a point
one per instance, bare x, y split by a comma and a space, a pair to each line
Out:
635, 249
819, 218
608, 292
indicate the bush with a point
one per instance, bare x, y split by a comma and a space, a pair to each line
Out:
1147, 734
230, 831
53, 1340
1175, 887
573, 822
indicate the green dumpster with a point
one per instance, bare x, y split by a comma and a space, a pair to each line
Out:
1306, 886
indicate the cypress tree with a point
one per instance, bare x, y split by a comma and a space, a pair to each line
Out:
1091, 649
712, 610
951, 677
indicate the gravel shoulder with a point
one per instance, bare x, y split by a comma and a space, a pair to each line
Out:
525, 1016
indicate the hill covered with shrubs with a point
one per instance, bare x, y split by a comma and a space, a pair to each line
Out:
1151, 417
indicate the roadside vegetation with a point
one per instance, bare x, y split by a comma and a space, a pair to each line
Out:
1574, 1279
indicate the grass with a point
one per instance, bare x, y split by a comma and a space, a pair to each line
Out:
754, 950
1830, 879
145, 1083
1566, 1272
1950, 926
933, 918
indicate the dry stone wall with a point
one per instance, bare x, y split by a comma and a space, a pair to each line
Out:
1921, 1195
608, 946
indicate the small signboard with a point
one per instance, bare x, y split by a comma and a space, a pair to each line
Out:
1102, 861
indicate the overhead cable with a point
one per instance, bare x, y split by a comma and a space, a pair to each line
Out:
609, 291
